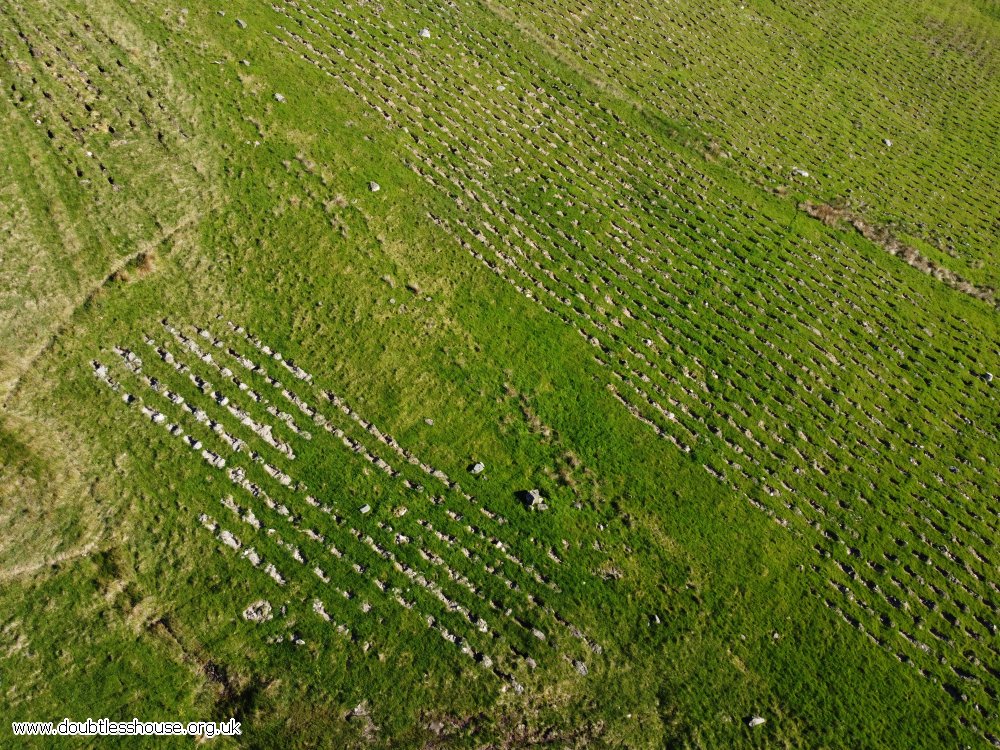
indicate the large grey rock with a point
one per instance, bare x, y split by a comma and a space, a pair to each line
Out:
534, 500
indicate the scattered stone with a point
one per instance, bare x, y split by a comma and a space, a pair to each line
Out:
887, 143
425, 33
279, 98
229, 540
259, 611
429, 421
374, 186
320, 610
988, 377
275, 575
581, 668
241, 23
756, 721
365, 510
477, 468
800, 172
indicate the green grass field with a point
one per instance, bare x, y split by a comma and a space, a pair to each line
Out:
717, 280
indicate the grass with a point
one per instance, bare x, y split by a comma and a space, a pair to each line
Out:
533, 253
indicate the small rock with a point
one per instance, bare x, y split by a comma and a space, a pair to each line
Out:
241, 23
756, 721
478, 468
988, 377
374, 187
800, 172
279, 98
429, 421
259, 611
425, 33
887, 142
365, 510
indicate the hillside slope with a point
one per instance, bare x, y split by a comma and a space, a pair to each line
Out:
302, 301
